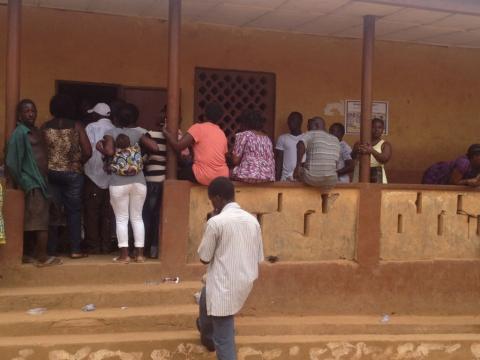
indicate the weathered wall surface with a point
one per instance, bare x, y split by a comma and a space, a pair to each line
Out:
3, 54
415, 225
428, 87
427, 225
293, 225
13, 208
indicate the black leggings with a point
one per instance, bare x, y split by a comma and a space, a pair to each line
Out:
186, 173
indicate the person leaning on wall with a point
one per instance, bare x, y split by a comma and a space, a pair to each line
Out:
380, 152
464, 170
27, 166
209, 145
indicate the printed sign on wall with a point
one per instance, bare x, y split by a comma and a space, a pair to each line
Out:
353, 110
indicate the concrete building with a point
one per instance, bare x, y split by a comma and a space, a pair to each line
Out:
402, 249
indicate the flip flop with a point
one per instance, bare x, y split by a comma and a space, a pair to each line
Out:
78, 255
117, 260
52, 260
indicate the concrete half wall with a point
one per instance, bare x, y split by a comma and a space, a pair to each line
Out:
414, 225
293, 225
353, 259
428, 225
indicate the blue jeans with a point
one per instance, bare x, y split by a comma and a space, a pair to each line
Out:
67, 189
217, 331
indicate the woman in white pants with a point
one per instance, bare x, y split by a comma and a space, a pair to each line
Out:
127, 193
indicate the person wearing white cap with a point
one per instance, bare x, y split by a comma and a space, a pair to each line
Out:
97, 203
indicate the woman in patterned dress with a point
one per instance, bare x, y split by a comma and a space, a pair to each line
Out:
253, 151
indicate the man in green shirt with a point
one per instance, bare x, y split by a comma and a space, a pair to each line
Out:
27, 166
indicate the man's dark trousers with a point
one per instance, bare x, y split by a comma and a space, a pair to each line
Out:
151, 217
97, 217
217, 332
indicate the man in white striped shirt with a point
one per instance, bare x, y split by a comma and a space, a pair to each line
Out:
323, 153
232, 247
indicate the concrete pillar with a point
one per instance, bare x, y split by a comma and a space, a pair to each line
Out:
173, 105
12, 84
367, 74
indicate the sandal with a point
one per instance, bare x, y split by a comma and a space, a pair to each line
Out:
118, 260
52, 260
140, 259
28, 260
78, 255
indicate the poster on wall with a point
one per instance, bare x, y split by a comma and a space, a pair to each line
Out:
353, 110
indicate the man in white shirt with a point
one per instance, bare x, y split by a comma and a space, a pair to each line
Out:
232, 247
97, 203
286, 148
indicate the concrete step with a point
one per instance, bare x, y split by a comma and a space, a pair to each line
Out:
102, 320
182, 317
324, 325
173, 345
106, 296
95, 269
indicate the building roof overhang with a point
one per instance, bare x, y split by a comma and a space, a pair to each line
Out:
437, 22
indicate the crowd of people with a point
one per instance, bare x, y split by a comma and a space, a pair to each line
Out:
86, 173
76, 176
85, 176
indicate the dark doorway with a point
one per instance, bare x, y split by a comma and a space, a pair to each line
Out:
86, 95
150, 101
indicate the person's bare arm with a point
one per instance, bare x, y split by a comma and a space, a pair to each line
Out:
456, 178
470, 182
235, 159
148, 143
278, 164
178, 145
348, 168
356, 150
106, 146
300, 153
85, 145
382, 157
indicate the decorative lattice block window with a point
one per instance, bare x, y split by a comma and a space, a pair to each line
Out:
236, 90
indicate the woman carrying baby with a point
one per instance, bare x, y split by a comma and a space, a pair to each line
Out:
127, 185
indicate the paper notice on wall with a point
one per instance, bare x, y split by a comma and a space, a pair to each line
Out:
353, 111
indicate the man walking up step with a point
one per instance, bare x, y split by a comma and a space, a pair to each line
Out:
232, 247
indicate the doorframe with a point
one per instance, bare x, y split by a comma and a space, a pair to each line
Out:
123, 87
77, 82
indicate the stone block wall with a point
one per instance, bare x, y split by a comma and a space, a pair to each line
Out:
294, 227
430, 225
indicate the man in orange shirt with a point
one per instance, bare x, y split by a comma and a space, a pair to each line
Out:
209, 145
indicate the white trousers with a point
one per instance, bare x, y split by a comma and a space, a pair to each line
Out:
127, 203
